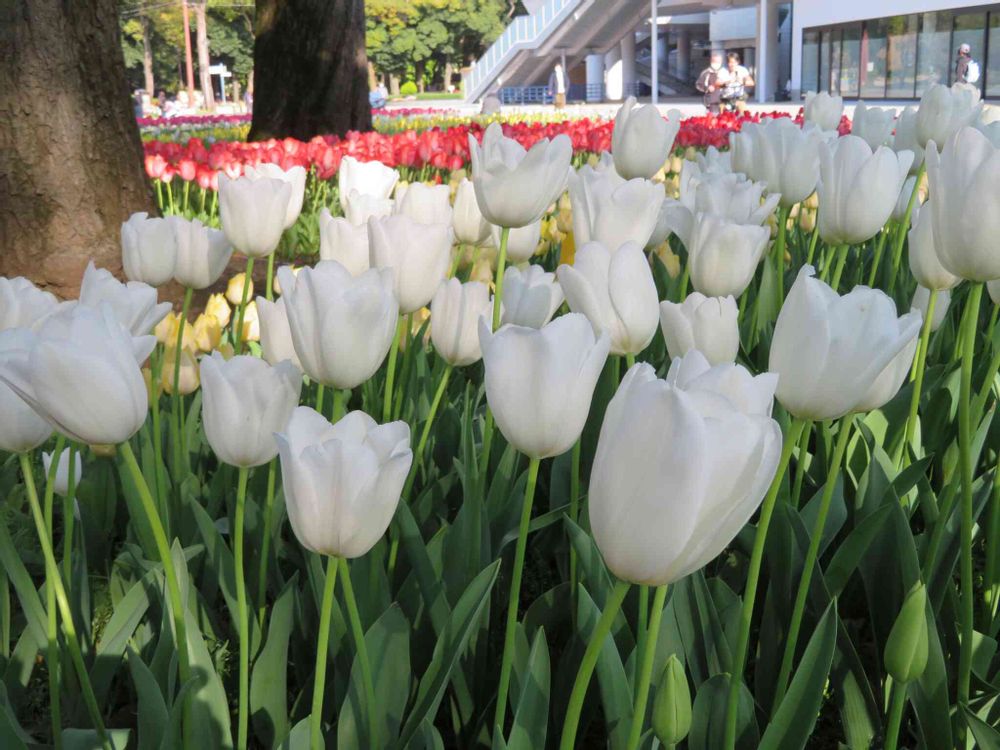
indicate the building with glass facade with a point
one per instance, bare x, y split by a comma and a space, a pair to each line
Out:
892, 49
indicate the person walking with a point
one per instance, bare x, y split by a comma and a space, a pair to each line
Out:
966, 69
711, 83
557, 86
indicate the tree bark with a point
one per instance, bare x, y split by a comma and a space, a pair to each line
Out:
394, 84
71, 167
448, 72
204, 59
311, 69
147, 57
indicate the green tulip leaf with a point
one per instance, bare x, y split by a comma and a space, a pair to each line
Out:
531, 716
269, 678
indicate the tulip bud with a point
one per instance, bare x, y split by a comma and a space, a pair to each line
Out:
521, 242
921, 300
275, 335
426, 204
455, 313
149, 250
642, 139
342, 241
133, 304
672, 705
22, 303
708, 324
780, 154
358, 208
823, 109
61, 483
188, 379
295, 178
611, 211
234, 289
202, 253
218, 308
671, 261
808, 221
923, 255
253, 211
166, 330
371, 178
207, 333
467, 220
943, 111
676, 164
21, 429
906, 647
530, 296
905, 138
722, 256
691, 153
873, 124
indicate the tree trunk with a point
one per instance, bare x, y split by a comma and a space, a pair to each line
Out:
394, 85
204, 59
147, 57
311, 68
419, 72
372, 77
71, 168
448, 71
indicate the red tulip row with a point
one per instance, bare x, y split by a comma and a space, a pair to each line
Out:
437, 149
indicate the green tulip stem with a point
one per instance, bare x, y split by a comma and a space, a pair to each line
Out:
779, 251
812, 554
177, 608
685, 280
648, 656
390, 373
501, 268
322, 645
320, 392
340, 397
484, 459
456, 260
265, 549
574, 513
175, 395
641, 630
54, 581
269, 287
919, 366
156, 374
895, 718
629, 362
904, 228
428, 424
587, 664
992, 574
247, 281
979, 402
358, 634
753, 575
879, 249
838, 271
241, 607
69, 518
966, 433
52, 625
801, 463
515, 594
813, 241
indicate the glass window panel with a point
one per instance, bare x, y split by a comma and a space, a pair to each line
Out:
824, 61
992, 67
874, 58
850, 60
810, 60
934, 50
969, 29
902, 56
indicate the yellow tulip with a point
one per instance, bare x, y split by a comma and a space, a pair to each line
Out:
808, 221
234, 291
219, 308
189, 377
567, 253
671, 261
166, 329
207, 332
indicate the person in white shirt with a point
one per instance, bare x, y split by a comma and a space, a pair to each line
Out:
557, 86
734, 93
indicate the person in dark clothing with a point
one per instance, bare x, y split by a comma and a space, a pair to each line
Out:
712, 81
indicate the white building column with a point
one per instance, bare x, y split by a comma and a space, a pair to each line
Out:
654, 49
767, 50
628, 64
595, 77
613, 81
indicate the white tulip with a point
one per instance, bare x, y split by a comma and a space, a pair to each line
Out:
22, 304
616, 292
359, 208
964, 182
341, 325
944, 111
891, 379
993, 289
371, 178
21, 429
923, 254
134, 303
470, 227
522, 242
680, 467
344, 242
828, 350
873, 125
342, 481
252, 212
275, 335
61, 483
608, 210
642, 139
515, 187
714, 161
455, 312
419, 254
858, 189
539, 383
823, 109
202, 253
780, 154
921, 300
427, 204
905, 138
245, 402
903, 202
708, 324
80, 371
723, 257
530, 296
295, 177
149, 249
